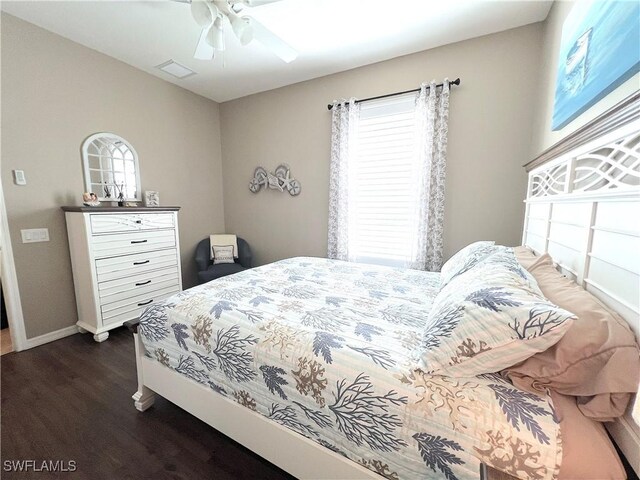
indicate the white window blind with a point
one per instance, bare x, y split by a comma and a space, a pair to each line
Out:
383, 182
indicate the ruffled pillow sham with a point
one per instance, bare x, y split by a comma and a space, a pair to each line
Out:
489, 318
465, 259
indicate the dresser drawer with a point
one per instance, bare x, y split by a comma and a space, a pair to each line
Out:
112, 223
156, 220
130, 311
128, 265
127, 243
119, 291
130, 222
129, 286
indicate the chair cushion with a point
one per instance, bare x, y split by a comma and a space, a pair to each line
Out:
220, 270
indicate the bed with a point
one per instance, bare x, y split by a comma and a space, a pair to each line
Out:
310, 362
324, 347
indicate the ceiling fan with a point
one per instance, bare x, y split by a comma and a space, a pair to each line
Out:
215, 15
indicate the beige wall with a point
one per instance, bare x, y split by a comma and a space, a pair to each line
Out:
489, 140
543, 137
55, 93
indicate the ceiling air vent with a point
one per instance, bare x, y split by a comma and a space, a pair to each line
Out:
175, 69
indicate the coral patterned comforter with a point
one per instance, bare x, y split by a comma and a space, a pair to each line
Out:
324, 348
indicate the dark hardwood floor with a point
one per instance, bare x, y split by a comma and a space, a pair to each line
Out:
70, 400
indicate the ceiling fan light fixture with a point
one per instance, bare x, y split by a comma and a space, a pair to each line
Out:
241, 28
202, 12
211, 15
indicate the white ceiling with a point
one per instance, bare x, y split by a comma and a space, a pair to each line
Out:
330, 35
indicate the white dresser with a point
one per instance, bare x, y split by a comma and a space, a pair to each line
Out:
123, 259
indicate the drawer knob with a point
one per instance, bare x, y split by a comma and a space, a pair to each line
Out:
138, 221
145, 303
143, 283
141, 263
138, 241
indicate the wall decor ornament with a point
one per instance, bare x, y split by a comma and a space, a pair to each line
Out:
280, 180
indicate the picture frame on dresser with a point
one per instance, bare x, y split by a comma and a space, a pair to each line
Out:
123, 260
151, 198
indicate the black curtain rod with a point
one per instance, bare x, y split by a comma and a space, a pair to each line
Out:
452, 82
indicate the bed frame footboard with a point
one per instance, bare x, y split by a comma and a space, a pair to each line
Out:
281, 446
144, 396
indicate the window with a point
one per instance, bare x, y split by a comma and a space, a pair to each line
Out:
387, 176
383, 183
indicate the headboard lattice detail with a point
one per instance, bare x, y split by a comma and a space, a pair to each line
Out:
553, 181
609, 167
613, 166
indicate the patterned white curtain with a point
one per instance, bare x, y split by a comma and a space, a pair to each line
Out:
344, 118
432, 110
432, 113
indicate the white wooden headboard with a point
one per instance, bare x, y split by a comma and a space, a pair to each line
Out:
583, 208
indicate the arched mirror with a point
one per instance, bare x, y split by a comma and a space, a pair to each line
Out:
111, 167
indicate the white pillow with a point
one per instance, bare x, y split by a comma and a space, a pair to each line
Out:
489, 318
465, 259
222, 254
222, 240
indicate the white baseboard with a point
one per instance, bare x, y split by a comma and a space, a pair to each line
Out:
51, 336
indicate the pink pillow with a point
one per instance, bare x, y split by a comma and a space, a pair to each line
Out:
526, 257
597, 359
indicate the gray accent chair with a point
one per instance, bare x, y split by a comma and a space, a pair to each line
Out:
207, 271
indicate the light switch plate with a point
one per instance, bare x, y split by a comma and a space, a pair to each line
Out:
34, 235
19, 177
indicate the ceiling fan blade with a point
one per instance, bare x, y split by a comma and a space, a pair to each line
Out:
204, 51
272, 41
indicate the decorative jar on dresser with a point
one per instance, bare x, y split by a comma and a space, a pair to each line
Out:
124, 259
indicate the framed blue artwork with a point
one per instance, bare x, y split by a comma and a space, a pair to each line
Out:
600, 49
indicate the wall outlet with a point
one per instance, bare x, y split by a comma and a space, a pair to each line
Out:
19, 177
34, 235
